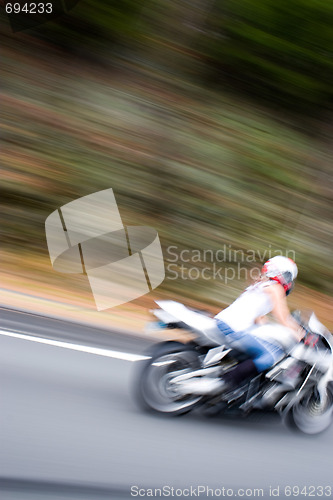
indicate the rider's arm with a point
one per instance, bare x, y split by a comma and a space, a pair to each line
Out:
281, 311
261, 320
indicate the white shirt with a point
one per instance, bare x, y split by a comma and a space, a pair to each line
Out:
242, 313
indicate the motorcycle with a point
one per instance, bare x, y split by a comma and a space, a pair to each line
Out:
177, 377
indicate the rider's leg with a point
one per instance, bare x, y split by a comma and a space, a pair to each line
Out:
263, 355
234, 377
263, 360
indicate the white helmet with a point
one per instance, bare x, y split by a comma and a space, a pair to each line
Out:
281, 269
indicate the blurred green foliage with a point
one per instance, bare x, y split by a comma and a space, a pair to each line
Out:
277, 51
92, 25
281, 51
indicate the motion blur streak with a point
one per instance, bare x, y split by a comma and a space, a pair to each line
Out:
23, 489
75, 347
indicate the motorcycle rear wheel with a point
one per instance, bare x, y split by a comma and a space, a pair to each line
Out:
153, 389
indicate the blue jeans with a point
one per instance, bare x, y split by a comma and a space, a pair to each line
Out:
264, 354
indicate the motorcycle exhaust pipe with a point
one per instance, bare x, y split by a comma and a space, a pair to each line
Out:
199, 386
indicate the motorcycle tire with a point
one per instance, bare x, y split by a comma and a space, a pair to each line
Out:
152, 388
309, 416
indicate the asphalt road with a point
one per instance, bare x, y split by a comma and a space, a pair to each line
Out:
42, 326
70, 428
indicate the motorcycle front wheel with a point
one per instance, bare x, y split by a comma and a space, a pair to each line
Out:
310, 415
153, 385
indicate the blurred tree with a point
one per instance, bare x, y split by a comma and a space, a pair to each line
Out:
93, 26
280, 51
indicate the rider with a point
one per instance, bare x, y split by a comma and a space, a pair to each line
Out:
242, 319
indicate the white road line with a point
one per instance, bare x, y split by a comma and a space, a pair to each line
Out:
76, 347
